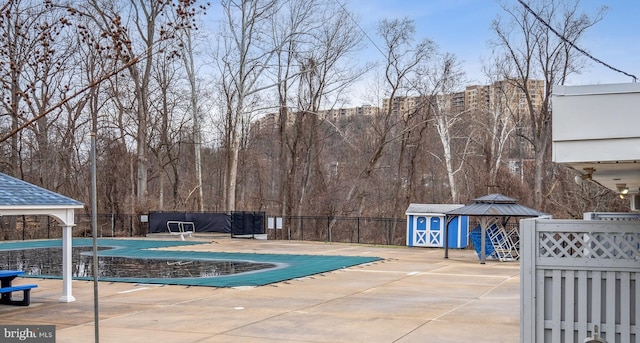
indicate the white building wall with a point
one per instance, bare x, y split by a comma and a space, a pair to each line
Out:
596, 123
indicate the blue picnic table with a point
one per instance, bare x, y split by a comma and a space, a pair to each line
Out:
6, 288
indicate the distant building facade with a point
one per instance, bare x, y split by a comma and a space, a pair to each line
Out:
476, 100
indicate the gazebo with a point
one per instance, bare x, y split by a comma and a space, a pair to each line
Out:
18, 197
492, 209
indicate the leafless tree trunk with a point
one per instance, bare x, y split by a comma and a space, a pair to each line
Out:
299, 14
500, 126
187, 39
446, 78
32, 68
535, 52
402, 60
188, 60
246, 58
323, 74
497, 122
149, 25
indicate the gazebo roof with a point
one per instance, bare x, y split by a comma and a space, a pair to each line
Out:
18, 197
496, 205
491, 208
18, 193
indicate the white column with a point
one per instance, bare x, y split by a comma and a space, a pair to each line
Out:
67, 237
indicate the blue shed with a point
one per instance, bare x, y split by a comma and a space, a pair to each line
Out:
425, 226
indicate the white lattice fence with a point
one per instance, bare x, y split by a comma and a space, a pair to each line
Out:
577, 274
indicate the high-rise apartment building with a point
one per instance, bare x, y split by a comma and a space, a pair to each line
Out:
344, 113
476, 100
503, 95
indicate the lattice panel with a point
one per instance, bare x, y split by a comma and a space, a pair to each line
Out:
590, 245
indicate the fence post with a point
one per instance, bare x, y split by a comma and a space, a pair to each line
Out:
528, 244
358, 236
329, 229
388, 233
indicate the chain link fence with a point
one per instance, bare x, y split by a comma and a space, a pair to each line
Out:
363, 230
45, 227
359, 230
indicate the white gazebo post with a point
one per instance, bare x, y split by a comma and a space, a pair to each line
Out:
67, 243
18, 197
66, 264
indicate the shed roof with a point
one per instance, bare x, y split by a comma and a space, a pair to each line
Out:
431, 208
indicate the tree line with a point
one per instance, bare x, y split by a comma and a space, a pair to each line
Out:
196, 114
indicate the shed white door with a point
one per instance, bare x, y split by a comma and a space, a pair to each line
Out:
428, 232
435, 232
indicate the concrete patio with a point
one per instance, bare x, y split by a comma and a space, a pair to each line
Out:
413, 295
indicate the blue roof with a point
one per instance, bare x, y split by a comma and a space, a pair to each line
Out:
15, 192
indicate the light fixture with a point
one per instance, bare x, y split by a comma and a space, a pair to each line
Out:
622, 189
588, 176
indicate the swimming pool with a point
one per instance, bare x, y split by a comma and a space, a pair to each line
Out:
192, 268
46, 262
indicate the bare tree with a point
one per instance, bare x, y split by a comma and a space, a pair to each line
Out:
32, 75
187, 38
298, 16
190, 67
402, 60
497, 119
149, 25
169, 124
535, 52
571, 200
443, 81
247, 54
323, 74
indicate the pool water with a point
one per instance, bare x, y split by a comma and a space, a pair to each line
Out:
48, 262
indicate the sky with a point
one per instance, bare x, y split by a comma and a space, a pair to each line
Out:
462, 27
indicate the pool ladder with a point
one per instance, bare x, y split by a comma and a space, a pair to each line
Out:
181, 228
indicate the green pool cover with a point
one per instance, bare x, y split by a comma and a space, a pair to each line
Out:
289, 266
